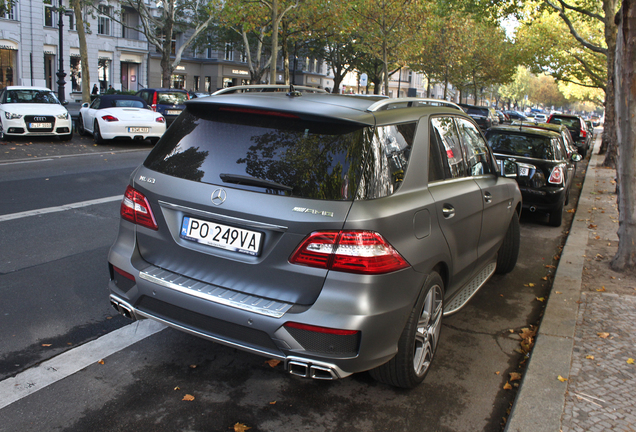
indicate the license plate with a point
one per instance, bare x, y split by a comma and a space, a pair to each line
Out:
173, 112
138, 130
523, 171
221, 236
40, 125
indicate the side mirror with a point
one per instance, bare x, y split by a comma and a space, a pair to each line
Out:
85, 105
508, 168
65, 103
577, 157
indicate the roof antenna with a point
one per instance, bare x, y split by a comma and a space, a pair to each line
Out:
293, 92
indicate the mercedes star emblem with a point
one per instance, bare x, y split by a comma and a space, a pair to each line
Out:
218, 196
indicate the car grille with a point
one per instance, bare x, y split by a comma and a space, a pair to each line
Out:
244, 336
39, 119
323, 343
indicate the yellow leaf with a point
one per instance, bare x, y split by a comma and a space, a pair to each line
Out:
177, 388
531, 284
46, 345
273, 403
589, 357
188, 397
240, 427
497, 373
507, 386
515, 376
601, 289
273, 362
630, 361
545, 278
603, 335
541, 299
560, 378
558, 292
571, 210
101, 361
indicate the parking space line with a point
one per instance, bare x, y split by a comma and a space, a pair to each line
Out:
8, 217
66, 364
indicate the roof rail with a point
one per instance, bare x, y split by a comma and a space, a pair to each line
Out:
410, 102
266, 88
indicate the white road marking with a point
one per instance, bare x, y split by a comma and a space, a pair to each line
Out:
66, 364
8, 217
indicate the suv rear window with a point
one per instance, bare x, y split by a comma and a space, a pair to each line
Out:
282, 154
569, 122
521, 145
171, 98
476, 111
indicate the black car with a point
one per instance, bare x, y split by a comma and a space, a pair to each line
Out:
484, 117
577, 128
516, 115
168, 102
545, 171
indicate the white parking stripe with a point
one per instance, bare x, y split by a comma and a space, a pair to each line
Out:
65, 207
66, 364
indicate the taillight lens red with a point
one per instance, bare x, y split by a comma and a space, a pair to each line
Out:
124, 274
160, 120
364, 252
556, 177
154, 102
326, 330
110, 118
583, 133
136, 209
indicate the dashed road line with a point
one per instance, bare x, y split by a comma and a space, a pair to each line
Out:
65, 207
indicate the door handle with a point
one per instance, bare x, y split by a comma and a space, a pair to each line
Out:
488, 197
448, 211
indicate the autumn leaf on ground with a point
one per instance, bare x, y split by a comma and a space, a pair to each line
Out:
240, 427
273, 403
193, 366
560, 378
597, 237
550, 266
571, 211
558, 292
630, 361
46, 345
589, 357
188, 397
545, 278
273, 362
541, 299
603, 335
601, 289
177, 388
592, 226
527, 333
514, 376
507, 386
101, 361
497, 373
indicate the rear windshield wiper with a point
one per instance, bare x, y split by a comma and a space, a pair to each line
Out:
252, 181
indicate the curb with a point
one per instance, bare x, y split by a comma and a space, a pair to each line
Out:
541, 399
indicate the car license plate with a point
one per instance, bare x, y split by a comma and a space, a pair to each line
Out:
523, 171
40, 125
221, 236
173, 112
138, 130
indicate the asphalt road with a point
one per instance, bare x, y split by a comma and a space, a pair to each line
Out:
54, 300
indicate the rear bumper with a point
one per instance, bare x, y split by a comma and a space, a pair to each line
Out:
544, 199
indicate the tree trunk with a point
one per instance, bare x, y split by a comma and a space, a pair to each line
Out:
166, 49
285, 53
274, 62
86, 76
609, 143
625, 75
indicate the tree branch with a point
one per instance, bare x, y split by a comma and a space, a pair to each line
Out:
573, 31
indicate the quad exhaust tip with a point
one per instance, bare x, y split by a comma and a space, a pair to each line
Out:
307, 370
123, 309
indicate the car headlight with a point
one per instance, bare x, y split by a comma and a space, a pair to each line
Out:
63, 116
11, 116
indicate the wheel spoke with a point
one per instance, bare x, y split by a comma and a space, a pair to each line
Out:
428, 330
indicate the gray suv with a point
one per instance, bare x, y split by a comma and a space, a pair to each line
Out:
330, 232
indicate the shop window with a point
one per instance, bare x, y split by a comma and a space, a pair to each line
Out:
103, 22
49, 15
76, 74
177, 81
103, 74
8, 60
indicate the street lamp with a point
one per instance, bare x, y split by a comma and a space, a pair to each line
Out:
60, 73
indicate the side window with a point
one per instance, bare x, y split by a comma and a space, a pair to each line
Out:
478, 159
95, 104
388, 150
143, 95
447, 136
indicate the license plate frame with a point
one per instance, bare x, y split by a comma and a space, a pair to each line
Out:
173, 112
40, 125
221, 236
138, 130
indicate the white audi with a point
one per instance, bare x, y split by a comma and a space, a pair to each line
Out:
120, 117
29, 111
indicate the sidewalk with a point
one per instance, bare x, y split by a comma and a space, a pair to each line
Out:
587, 335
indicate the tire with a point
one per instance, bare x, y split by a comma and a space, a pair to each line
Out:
419, 339
97, 136
509, 249
556, 216
80, 126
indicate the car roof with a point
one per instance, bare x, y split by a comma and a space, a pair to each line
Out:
363, 110
531, 130
107, 100
161, 89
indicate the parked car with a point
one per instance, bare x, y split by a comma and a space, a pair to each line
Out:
120, 117
516, 115
167, 102
540, 118
558, 128
484, 116
545, 171
33, 111
577, 128
596, 121
301, 232
503, 117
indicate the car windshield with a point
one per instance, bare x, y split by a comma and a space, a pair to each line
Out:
128, 103
531, 146
31, 96
171, 98
476, 111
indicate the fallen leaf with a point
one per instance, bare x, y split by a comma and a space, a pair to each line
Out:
514, 376
240, 427
193, 366
188, 397
603, 335
511, 330
589, 357
177, 388
46, 345
497, 373
507, 386
571, 211
560, 378
558, 292
630, 361
541, 299
601, 289
530, 284
550, 266
597, 237
101, 361
545, 278
527, 333
273, 362
273, 403
591, 226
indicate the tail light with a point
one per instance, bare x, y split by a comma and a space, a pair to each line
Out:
556, 177
583, 133
136, 209
364, 252
160, 119
110, 118
549, 118
154, 102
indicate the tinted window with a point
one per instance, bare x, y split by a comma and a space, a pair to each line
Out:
128, 103
388, 153
532, 146
271, 154
569, 122
478, 161
447, 136
171, 98
31, 96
